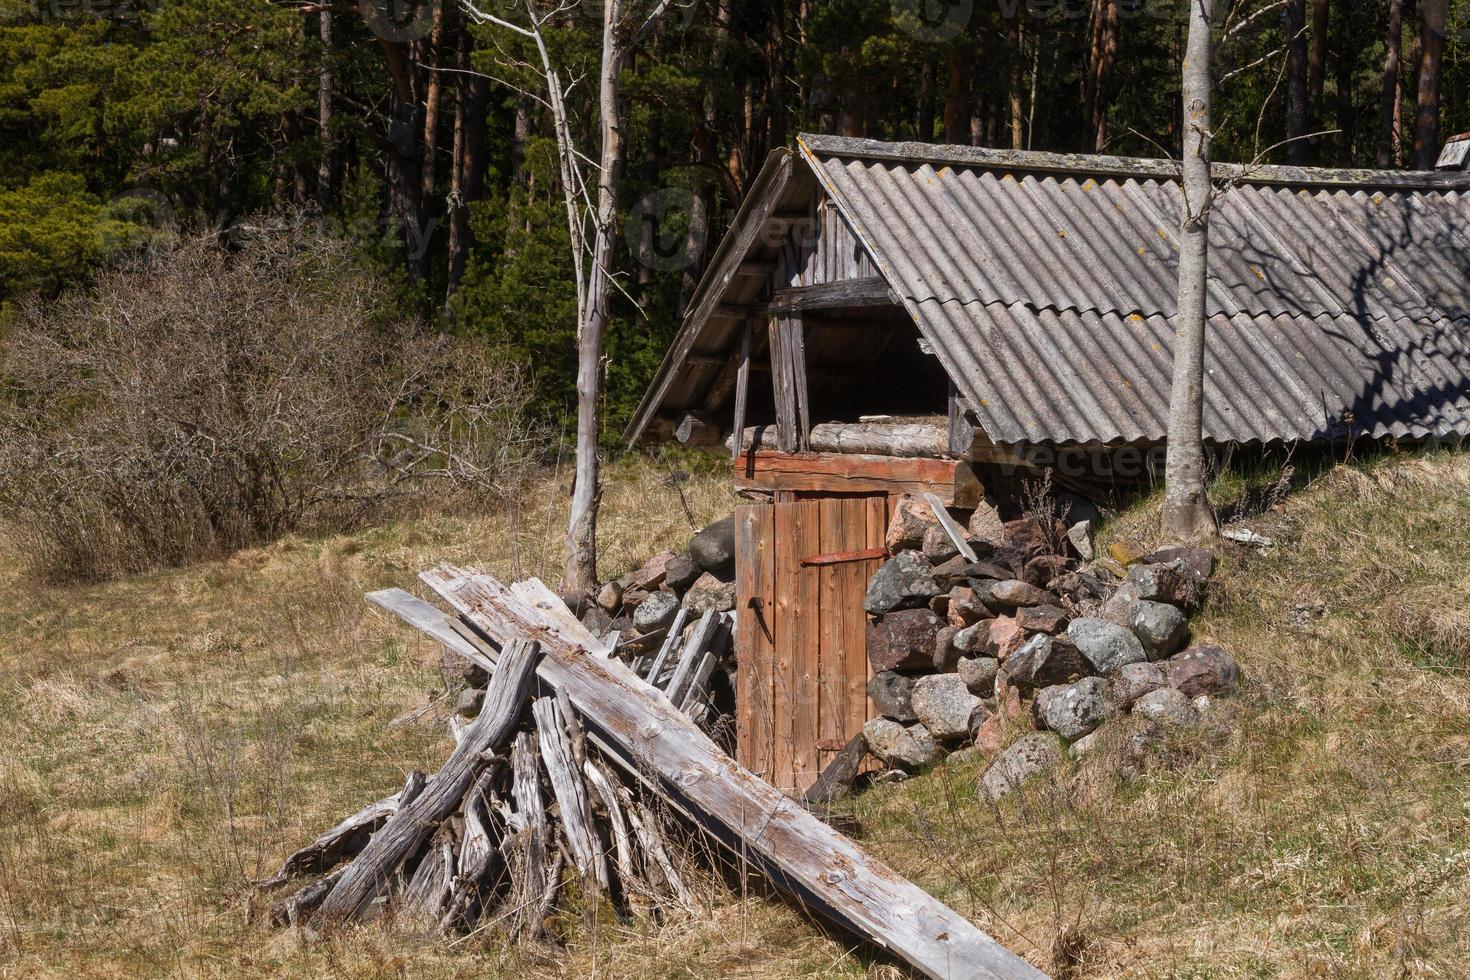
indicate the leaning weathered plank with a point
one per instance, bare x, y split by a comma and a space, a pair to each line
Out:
570, 790
693, 651
951, 529
424, 617
622, 846
406, 831
649, 739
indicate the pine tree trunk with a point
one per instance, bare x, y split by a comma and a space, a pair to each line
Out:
1316, 76
1390, 139
1187, 512
1102, 57
1432, 23
1296, 81
1017, 84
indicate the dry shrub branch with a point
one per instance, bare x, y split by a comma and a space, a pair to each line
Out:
211, 397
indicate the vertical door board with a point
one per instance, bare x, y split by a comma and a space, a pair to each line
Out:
754, 629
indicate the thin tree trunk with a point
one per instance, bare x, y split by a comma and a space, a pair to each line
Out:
926, 101
1432, 18
1016, 84
1316, 75
472, 95
956, 110
1296, 81
1102, 57
326, 174
432, 46
776, 76
1390, 143
1187, 512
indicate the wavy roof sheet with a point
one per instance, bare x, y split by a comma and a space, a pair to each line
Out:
1339, 302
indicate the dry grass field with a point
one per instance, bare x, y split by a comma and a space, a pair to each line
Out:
166, 739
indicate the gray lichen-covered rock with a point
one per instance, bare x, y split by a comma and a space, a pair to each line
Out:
1118, 607
1132, 681
469, 701
946, 654
1107, 646
1172, 583
708, 592
1029, 756
655, 612
1161, 628
903, 639
713, 549
937, 546
978, 673
944, 705
1014, 592
1203, 670
904, 581
891, 694
900, 746
1073, 710
1045, 661
1167, 706
972, 639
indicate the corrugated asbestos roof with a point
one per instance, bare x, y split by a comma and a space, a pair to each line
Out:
1339, 300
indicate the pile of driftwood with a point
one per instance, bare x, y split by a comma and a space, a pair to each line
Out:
564, 779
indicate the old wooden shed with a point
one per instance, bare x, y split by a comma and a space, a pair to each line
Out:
886, 319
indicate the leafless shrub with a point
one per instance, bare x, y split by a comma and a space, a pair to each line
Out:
203, 400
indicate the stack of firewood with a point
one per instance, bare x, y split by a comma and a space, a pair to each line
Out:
523, 807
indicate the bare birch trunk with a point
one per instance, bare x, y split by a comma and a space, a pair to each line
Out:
1187, 512
580, 574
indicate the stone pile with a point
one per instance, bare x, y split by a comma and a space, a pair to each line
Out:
641, 605
1037, 632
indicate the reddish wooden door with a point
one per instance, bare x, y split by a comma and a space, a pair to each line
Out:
800, 632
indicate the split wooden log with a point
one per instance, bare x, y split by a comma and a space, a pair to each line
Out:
910, 439
405, 832
602, 785
348, 837
290, 910
479, 854
646, 737
428, 891
645, 826
570, 790
527, 853
689, 662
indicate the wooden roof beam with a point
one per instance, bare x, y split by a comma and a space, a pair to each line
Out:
868, 291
